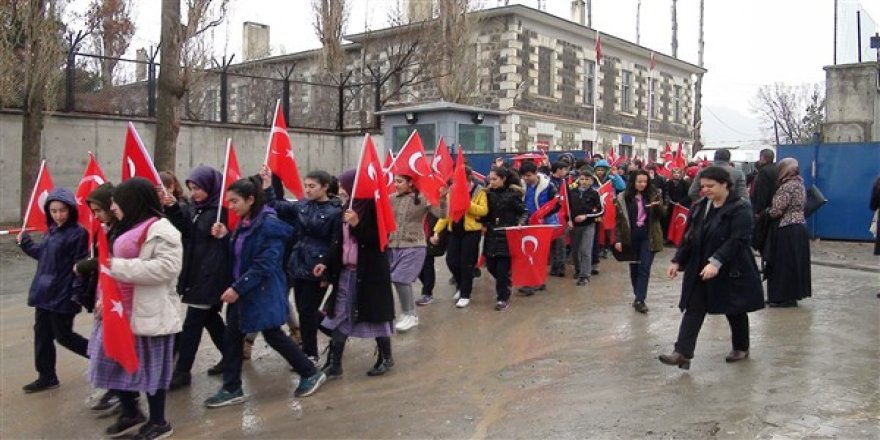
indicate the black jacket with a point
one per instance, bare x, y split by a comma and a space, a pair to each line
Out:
207, 263
506, 208
375, 302
764, 187
676, 191
723, 237
314, 225
584, 202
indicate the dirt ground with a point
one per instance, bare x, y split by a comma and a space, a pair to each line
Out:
572, 362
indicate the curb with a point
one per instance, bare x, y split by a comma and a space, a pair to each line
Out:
851, 266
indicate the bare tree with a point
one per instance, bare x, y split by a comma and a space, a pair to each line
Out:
32, 55
111, 30
455, 61
797, 111
674, 28
185, 49
698, 87
330, 19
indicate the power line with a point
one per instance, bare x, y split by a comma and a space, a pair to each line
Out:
725, 124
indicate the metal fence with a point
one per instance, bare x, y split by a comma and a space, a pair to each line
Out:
226, 94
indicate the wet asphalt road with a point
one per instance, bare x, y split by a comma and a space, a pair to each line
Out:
571, 362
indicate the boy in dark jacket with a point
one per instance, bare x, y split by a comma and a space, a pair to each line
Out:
585, 206
53, 290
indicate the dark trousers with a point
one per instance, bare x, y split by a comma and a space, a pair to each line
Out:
692, 322
275, 337
557, 255
640, 273
156, 403
461, 257
308, 295
428, 276
50, 327
191, 335
499, 267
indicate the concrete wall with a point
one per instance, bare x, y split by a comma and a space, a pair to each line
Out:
852, 103
67, 139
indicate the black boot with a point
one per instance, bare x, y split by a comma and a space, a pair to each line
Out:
333, 367
384, 361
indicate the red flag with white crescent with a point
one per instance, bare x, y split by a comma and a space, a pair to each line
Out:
677, 224
609, 218
231, 173
529, 248
136, 162
411, 161
369, 184
92, 178
117, 337
279, 155
388, 173
35, 216
442, 163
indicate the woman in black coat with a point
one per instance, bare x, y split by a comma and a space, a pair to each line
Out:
720, 274
362, 304
506, 209
206, 271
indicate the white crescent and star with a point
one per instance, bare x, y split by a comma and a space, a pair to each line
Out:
116, 308
41, 201
131, 167
683, 218
92, 178
435, 164
529, 239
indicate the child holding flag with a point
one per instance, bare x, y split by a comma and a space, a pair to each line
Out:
506, 209
147, 256
53, 290
585, 207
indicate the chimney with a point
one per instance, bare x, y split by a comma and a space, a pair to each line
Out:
578, 12
419, 10
140, 71
255, 41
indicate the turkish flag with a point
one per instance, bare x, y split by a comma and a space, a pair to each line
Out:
135, 160
609, 218
231, 173
459, 193
411, 161
369, 184
92, 178
35, 216
529, 250
279, 155
598, 48
680, 161
117, 336
678, 224
537, 218
389, 173
441, 164
612, 157
565, 212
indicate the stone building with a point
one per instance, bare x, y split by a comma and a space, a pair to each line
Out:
540, 70
852, 103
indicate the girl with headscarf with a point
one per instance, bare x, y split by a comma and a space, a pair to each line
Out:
146, 260
361, 304
205, 273
788, 263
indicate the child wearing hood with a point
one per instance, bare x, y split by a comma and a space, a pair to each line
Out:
53, 290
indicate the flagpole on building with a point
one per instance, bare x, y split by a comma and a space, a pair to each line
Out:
650, 101
223, 184
269, 142
27, 213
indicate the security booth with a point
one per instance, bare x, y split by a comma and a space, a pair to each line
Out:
476, 129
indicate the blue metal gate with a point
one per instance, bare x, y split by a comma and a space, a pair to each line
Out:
844, 173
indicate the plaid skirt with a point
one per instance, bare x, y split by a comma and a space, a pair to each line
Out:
406, 263
155, 364
346, 303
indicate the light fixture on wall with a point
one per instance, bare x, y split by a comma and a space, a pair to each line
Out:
411, 117
477, 118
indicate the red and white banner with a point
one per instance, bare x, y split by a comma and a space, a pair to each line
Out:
136, 162
370, 184
677, 224
279, 155
35, 215
529, 248
231, 173
92, 178
117, 337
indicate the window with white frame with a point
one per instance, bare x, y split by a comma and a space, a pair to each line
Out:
589, 82
652, 99
626, 91
676, 104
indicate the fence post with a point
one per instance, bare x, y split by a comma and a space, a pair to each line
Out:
151, 83
377, 104
224, 88
70, 83
285, 91
340, 116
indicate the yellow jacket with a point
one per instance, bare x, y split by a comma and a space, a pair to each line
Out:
479, 208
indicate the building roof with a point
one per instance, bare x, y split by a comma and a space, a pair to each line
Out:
608, 40
439, 106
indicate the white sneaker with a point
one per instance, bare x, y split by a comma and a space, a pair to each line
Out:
457, 294
462, 303
406, 322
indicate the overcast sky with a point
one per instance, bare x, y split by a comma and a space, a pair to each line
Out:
749, 43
